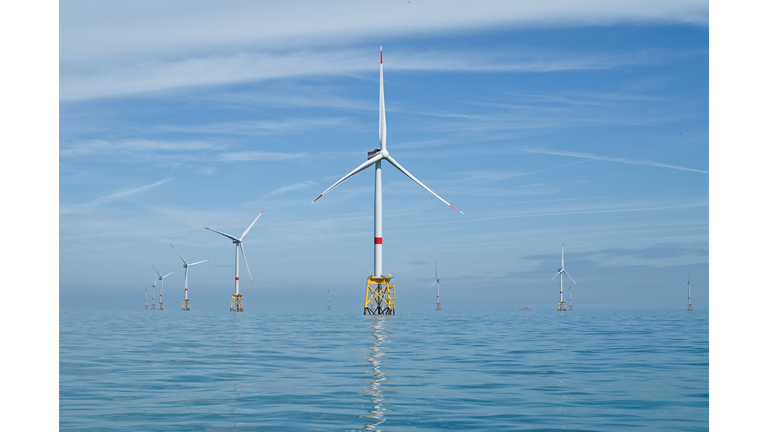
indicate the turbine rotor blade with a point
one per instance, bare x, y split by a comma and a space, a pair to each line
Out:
225, 235
177, 253
432, 284
556, 275
569, 277
394, 163
382, 111
365, 165
158, 273
199, 262
169, 274
246, 264
254, 221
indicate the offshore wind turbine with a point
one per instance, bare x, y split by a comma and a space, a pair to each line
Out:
329, 298
437, 305
160, 278
237, 299
690, 306
560, 272
570, 290
146, 291
384, 292
185, 302
153, 296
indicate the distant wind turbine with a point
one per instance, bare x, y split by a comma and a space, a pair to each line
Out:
386, 293
437, 281
570, 290
160, 278
185, 302
146, 291
690, 306
560, 272
329, 298
237, 299
153, 296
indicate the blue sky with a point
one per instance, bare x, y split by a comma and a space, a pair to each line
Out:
544, 122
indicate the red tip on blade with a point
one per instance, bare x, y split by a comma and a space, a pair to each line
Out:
456, 209
207, 228
317, 198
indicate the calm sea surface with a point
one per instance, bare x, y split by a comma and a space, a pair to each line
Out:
342, 371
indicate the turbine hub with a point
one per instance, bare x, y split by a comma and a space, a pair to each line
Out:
385, 154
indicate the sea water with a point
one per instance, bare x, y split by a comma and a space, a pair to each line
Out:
343, 371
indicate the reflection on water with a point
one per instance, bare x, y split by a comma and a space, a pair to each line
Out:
373, 392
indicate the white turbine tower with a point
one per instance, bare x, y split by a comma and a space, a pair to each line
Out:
560, 272
690, 305
329, 298
570, 291
386, 293
437, 305
185, 302
146, 291
153, 296
237, 299
160, 278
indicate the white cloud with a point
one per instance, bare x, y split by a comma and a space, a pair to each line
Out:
110, 49
614, 159
259, 156
92, 147
290, 188
73, 209
97, 29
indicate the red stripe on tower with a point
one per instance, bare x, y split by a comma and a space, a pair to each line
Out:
377, 240
237, 278
382, 56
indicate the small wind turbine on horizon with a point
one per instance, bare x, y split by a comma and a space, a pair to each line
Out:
570, 290
160, 278
384, 292
185, 302
237, 299
560, 272
146, 292
690, 305
437, 281
153, 296
329, 298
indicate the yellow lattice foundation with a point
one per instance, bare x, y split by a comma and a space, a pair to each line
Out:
379, 290
561, 306
570, 307
236, 305
160, 306
185, 304
690, 307
146, 307
153, 306
438, 307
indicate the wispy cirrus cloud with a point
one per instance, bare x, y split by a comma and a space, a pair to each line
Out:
261, 127
111, 197
95, 147
289, 188
259, 156
612, 159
